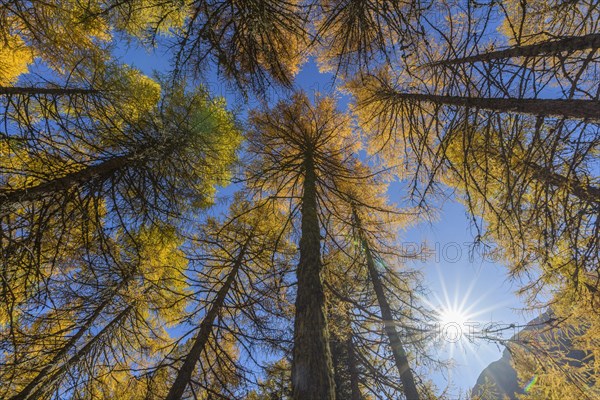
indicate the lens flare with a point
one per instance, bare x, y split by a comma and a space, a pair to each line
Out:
530, 384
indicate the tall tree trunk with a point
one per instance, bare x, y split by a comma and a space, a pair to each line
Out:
72, 342
548, 48
101, 170
578, 109
353, 370
43, 374
312, 368
406, 376
143, 153
338, 349
583, 191
15, 90
39, 393
184, 375
588, 193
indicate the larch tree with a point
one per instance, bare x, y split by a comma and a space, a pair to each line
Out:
424, 112
97, 324
301, 154
240, 264
379, 293
397, 347
351, 34
304, 156
487, 122
72, 196
255, 44
113, 185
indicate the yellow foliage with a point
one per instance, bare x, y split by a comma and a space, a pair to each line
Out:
286, 134
62, 35
536, 21
158, 264
394, 129
132, 95
14, 59
256, 38
138, 17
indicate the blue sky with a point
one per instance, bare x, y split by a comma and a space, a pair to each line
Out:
468, 283
456, 278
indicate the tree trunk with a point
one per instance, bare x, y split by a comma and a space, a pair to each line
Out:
105, 168
585, 192
63, 351
184, 375
39, 393
406, 375
13, 90
355, 389
312, 368
71, 343
339, 363
548, 48
588, 193
577, 109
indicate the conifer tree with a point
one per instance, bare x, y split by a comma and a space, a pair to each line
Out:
301, 154
243, 257
463, 114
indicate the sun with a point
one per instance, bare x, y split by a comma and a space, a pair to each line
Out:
454, 323
453, 315
458, 317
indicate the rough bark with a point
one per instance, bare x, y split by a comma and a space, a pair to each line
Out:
576, 109
14, 90
312, 368
406, 376
184, 375
353, 370
548, 48
38, 192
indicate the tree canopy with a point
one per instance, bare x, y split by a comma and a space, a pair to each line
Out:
126, 273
